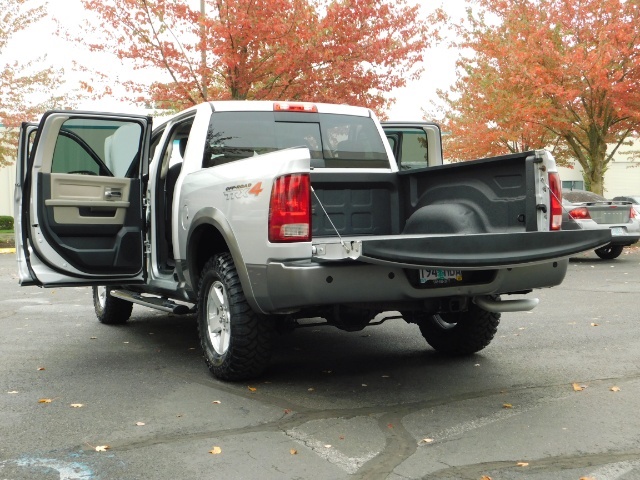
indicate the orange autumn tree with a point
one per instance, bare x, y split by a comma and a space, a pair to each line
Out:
346, 51
25, 87
562, 74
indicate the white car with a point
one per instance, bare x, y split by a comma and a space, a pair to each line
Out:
589, 211
635, 202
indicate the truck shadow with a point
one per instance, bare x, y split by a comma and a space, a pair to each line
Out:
317, 355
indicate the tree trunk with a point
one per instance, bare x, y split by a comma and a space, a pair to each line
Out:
594, 175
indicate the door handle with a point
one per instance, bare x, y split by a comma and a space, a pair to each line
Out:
113, 194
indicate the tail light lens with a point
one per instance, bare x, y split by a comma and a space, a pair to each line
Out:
580, 213
633, 213
290, 209
555, 200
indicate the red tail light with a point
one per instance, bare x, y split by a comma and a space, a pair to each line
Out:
290, 209
580, 213
555, 200
633, 213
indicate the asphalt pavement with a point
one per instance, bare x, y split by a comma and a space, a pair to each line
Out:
555, 396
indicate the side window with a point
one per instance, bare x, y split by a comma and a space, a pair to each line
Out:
410, 146
97, 147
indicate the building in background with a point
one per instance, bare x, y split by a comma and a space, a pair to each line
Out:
621, 178
7, 185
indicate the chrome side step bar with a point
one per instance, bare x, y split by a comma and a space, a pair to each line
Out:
497, 306
158, 303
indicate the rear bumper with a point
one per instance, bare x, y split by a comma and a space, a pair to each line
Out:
281, 287
624, 239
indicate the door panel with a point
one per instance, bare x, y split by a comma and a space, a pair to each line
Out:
83, 199
86, 218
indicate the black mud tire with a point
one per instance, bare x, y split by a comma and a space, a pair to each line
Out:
460, 333
609, 252
236, 341
110, 310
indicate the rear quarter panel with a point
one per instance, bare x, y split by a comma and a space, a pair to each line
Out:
239, 193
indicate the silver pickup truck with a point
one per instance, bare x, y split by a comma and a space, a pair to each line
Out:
259, 215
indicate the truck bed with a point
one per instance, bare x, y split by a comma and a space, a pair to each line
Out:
482, 196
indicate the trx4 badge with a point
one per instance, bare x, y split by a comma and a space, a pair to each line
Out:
243, 191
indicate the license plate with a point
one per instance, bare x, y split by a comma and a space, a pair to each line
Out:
617, 231
440, 276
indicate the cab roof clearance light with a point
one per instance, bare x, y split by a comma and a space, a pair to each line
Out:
295, 107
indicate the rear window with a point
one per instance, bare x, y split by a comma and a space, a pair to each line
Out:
335, 141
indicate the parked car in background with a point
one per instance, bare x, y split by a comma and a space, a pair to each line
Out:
635, 202
589, 211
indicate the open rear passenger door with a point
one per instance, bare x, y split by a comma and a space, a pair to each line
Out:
414, 144
79, 193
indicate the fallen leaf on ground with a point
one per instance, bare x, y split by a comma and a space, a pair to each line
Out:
13, 391
77, 405
327, 446
215, 451
287, 411
310, 389
93, 338
45, 400
252, 389
293, 451
425, 441
217, 402
140, 424
102, 448
507, 405
341, 437
594, 325
522, 464
485, 477
615, 389
389, 425
587, 478
577, 387
40, 369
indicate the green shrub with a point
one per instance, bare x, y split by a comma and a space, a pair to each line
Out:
6, 222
